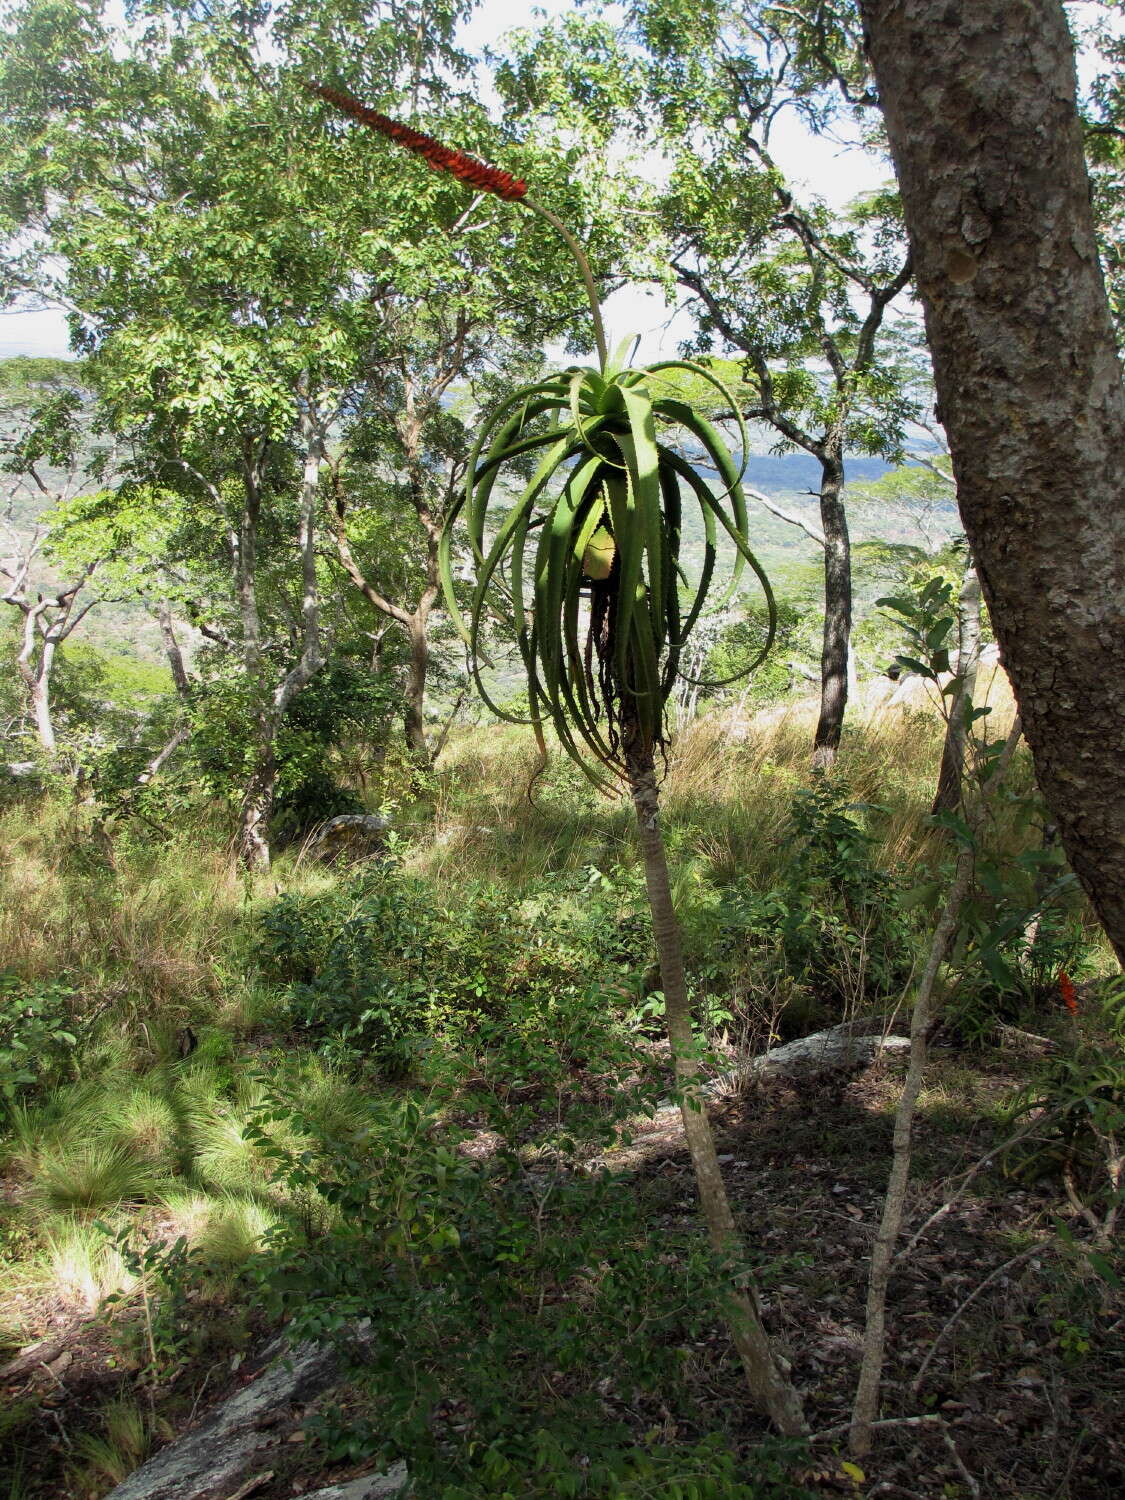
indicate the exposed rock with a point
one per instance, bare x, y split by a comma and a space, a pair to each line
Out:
210, 1461
838, 1047
350, 836
22, 770
849, 1046
368, 1487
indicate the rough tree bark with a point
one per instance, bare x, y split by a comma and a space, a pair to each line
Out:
414, 688
172, 649
979, 100
836, 642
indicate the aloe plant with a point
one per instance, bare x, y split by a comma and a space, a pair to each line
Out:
586, 566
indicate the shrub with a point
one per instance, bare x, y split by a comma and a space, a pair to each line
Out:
377, 969
1080, 1096
836, 922
35, 1035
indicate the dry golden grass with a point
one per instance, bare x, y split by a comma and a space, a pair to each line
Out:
727, 793
152, 920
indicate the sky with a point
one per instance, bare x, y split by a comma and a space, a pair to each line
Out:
836, 172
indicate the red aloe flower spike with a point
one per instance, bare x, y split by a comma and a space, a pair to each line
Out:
1068, 992
477, 174
466, 168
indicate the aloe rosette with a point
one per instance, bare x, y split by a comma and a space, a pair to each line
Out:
588, 558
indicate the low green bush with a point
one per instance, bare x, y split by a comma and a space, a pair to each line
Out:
36, 1036
482, 1275
832, 935
1078, 1098
376, 970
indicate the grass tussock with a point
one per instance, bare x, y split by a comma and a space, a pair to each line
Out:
80, 1265
88, 1178
111, 1455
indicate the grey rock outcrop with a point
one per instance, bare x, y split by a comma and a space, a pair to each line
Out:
234, 1439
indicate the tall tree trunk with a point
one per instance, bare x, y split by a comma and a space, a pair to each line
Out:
36, 675
257, 804
948, 796
979, 98
837, 612
414, 689
769, 1386
172, 649
41, 698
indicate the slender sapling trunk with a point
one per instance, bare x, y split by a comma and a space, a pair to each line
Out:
866, 1405
948, 797
768, 1383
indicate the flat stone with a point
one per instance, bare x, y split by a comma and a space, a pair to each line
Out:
395, 1482
840, 1047
351, 834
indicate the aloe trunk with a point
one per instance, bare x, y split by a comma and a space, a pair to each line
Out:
769, 1385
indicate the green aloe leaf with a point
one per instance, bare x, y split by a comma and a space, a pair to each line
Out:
585, 564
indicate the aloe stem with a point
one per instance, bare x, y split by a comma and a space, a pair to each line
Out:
769, 1384
584, 266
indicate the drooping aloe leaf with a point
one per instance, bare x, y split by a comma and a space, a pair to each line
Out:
596, 593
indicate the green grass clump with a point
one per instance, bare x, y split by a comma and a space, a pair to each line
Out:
139, 923
81, 1265
113, 1454
145, 1125
88, 1178
235, 1230
229, 1155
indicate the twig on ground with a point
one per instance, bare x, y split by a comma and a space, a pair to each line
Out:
974, 1171
1072, 1459
198, 1397
974, 1487
928, 1419
969, 1300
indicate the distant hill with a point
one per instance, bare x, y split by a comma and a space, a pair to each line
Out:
797, 473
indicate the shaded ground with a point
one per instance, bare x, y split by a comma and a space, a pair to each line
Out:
1027, 1379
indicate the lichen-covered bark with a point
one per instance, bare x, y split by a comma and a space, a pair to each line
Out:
836, 645
979, 99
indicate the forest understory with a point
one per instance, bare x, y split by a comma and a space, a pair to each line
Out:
421, 1088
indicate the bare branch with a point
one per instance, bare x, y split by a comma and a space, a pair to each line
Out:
786, 515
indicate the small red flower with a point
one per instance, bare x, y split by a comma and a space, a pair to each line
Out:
1068, 992
466, 168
